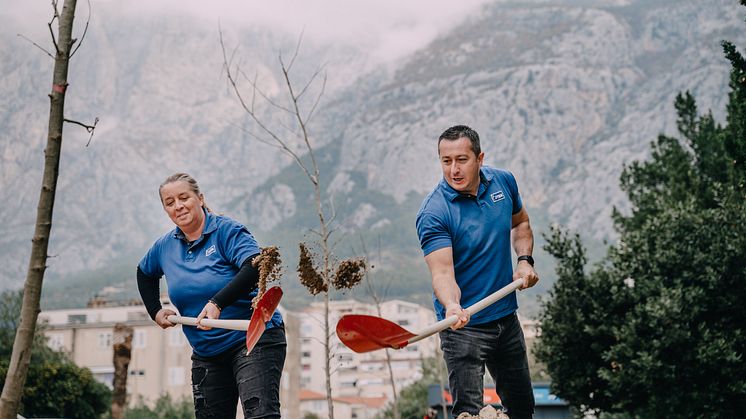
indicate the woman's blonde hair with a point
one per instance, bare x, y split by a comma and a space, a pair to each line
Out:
184, 177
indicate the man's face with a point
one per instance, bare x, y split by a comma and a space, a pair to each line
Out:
460, 165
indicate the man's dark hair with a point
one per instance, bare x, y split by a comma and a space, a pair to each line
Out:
457, 131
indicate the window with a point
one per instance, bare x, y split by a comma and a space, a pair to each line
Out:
104, 340
348, 384
138, 340
76, 318
137, 315
137, 372
345, 357
404, 322
306, 354
176, 376
404, 309
374, 366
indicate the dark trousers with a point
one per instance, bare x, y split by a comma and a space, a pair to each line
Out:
499, 345
218, 381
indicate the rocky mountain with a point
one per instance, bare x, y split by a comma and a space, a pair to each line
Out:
563, 94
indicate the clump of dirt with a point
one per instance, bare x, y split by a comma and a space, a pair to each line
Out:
309, 276
269, 265
488, 412
349, 273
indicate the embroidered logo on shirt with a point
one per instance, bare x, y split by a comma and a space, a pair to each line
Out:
210, 250
497, 196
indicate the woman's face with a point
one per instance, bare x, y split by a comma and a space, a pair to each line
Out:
182, 205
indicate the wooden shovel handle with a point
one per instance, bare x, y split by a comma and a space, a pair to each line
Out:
222, 324
473, 309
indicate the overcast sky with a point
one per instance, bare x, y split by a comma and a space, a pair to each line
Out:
387, 28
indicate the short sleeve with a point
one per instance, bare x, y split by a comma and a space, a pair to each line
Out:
513, 188
432, 232
150, 264
238, 244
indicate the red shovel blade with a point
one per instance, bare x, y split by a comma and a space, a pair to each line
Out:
368, 333
262, 314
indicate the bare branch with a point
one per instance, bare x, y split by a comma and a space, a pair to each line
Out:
297, 49
316, 232
51, 31
252, 114
333, 210
54, 40
302, 124
256, 137
88, 128
37, 45
310, 81
85, 31
318, 99
261, 92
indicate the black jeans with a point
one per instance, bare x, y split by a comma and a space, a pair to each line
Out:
499, 345
218, 381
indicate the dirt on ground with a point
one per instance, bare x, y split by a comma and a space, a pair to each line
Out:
487, 412
309, 275
349, 273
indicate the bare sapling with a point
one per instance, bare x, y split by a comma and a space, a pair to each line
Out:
298, 106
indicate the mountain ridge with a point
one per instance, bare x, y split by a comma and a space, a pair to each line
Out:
562, 95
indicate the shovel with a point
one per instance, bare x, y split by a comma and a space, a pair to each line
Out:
254, 328
363, 333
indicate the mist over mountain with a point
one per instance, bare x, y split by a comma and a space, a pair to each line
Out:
563, 93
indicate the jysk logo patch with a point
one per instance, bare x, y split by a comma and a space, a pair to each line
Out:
497, 196
210, 250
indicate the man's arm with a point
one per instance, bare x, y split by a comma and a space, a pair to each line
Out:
522, 239
440, 263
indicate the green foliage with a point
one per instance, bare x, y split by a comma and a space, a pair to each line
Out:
412, 401
165, 408
55, 387
657, 328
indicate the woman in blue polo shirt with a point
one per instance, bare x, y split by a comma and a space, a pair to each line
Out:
206, 260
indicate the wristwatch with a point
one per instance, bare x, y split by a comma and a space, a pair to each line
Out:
527, 258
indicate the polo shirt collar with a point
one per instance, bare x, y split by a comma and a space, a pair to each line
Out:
210, 226
484, 179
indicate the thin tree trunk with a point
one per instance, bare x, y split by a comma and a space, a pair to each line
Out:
122, 339
329, 398
377, 301
441, 381
19, 360
395, 405
326, 274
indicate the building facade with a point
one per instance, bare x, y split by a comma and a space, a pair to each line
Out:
161, 359
160, 363
365, 375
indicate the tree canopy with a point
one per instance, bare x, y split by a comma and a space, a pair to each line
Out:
656, 329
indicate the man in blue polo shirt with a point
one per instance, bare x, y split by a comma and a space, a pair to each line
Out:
466, 226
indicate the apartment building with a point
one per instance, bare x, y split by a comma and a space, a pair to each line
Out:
362, 377
161, 359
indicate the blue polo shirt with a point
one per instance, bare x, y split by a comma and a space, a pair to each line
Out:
478, 231
196, 272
